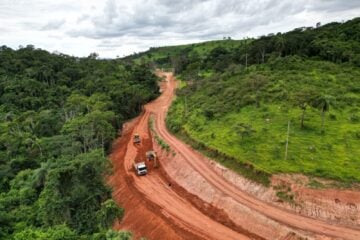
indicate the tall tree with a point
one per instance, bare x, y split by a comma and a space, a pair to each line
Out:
304, 98
322, 102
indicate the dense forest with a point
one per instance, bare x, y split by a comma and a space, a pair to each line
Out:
335, 42
286, 102
58, 117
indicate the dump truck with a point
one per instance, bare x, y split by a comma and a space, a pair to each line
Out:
137, 138
151, 156
140, 168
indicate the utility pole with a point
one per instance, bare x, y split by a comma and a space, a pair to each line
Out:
287, 141
185, 107
246, 55
246, 61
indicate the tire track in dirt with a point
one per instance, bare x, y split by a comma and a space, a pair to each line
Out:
141, 216
281, 215
155, 210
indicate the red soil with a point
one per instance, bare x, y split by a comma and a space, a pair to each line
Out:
159, 211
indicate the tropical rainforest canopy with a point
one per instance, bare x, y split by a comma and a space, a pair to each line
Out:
58, 117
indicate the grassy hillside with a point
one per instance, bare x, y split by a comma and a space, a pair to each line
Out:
58, 117
245, 115
166, 56
243, 112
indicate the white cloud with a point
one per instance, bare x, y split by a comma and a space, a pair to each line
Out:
53, 25
117, 27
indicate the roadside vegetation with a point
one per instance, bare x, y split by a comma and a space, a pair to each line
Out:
283, 103
158, 139
58, 117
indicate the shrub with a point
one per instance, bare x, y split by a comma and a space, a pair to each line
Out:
354, 118
332, 116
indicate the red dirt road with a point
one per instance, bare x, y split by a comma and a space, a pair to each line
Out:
159, 211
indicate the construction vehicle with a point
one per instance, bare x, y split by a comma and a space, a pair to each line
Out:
151, 156
137, 138
140, 168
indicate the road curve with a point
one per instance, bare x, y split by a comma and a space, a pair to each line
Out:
172, 205
153, 208
280, 215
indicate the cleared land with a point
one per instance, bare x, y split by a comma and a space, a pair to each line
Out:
245, 115
180, 214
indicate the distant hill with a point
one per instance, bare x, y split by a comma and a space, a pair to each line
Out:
238, 98
336, 42
163, 56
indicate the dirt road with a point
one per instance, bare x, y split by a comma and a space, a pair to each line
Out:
159, 211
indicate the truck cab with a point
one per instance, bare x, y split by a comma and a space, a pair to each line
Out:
140, 168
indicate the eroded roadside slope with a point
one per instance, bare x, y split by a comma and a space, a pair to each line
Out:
226, 188
200, 203
155, 209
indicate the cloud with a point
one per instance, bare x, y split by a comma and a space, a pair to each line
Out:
53, 25
333, 6
197, 19
115, 27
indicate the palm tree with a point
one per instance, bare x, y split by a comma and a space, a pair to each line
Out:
280, 43
34, 141
39, 176
323, 104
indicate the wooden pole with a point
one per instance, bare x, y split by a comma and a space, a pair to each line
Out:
246, 55
287, 141
185, 107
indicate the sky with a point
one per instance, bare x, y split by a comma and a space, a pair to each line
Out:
116, 28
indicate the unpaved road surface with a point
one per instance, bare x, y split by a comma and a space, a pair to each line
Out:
158, 208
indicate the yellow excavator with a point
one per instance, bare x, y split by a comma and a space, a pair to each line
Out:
151, 156
137, 138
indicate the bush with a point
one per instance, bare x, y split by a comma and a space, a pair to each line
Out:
332, 116
354, 118
118, 235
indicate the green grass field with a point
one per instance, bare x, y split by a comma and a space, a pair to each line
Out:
215, 115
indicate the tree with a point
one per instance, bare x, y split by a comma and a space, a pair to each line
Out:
255, 84
279, 43
219, 59
93, 55
73, 192
303, 99
244, 130
39, 176
58, 232
108, 213
121, 235
92, 130
322, 102
58, 116
261, 46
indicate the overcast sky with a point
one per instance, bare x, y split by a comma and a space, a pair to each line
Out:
120, 27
